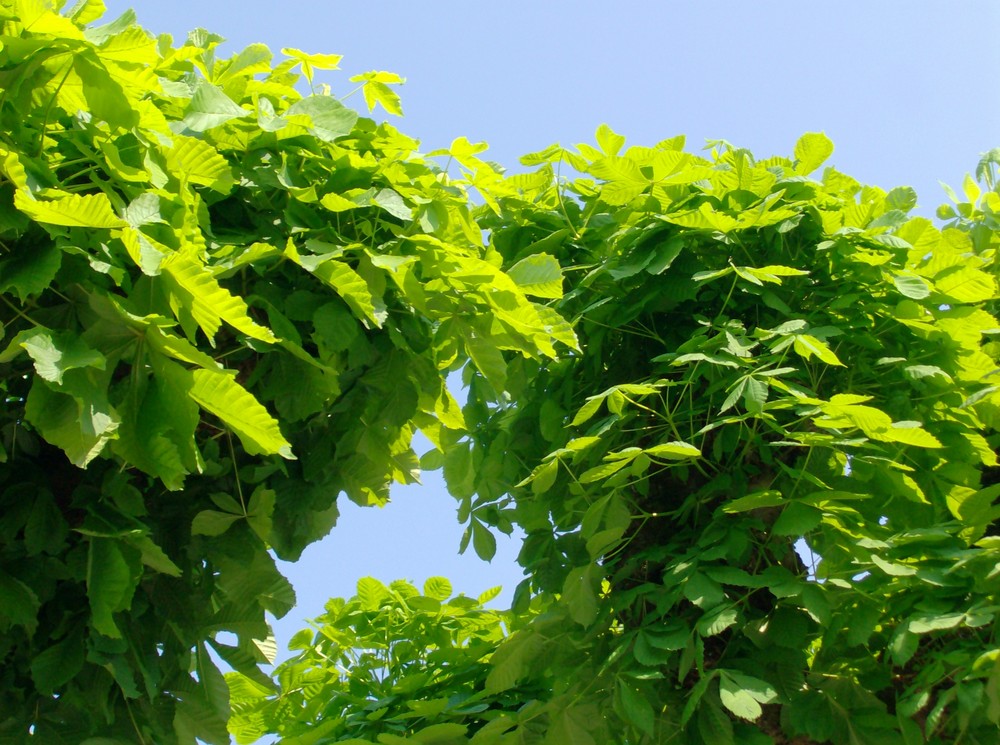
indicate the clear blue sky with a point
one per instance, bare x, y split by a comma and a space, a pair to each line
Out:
905, 88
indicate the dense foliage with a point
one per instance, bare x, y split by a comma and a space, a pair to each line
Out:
389, 663
770, 358
773, 355
222, 303
752, 447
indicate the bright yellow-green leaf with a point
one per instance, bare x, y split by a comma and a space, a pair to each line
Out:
310, 62
809, 346
965, 285
220, 394
539, 275
812, 149
197, 162
195, 290
73, 210
673, 451
911, 433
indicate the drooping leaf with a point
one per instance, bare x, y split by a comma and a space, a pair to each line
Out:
218, 393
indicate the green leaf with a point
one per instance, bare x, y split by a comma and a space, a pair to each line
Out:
510, 662
260, 512
211, 107
152, 555
544, 476
393, 203
342, 278
673, 451
808, 346
610, 141
213, 522
196, 292
796, 520
488, 359
443, 733
598, 473
768, 498
714, 725
965, 285
18, 604
703, 591
73, 210
54, 354
196, 162
58, 664
483, 541
29, 273
539, 275
110, 585
81, 422
716, 621
911, 433
327, 118
737, 700
636, 707
912, 286
309, 62
45, 529
438, 588
742, 694
219, 394
812, 149
376, 90
587, 411
579, 595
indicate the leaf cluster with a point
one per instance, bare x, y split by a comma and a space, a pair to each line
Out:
223, 302
762, 498
759, 501
391, 664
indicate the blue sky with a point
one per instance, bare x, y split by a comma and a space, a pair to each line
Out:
905, 88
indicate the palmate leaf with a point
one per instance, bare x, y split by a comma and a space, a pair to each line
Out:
309, 62
218, 393
376, 90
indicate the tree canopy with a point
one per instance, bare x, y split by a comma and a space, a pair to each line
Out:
743, 409
224, 303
